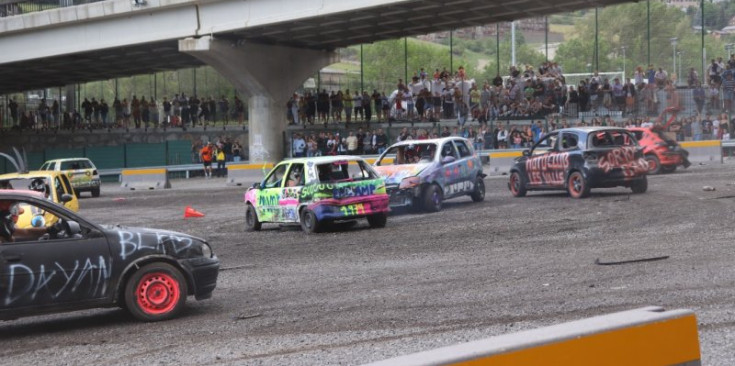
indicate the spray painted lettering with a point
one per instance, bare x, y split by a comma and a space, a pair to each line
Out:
353, 191
23, 281
623, 158
165, 243
548, 169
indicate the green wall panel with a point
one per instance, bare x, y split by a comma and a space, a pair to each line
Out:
107, 157
143, 155
179, 152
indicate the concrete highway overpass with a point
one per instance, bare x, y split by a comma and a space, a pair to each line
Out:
265, 47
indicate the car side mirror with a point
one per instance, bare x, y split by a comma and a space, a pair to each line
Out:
256, 185
526, 152
66, 197
448, 159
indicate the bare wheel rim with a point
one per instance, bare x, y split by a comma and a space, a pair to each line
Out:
575, 183
651, 165
157, 293
515, 183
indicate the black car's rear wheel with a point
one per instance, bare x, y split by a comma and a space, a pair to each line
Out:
640, 185
516, 185
96, 192
377, 220
478, 195
157, 291
577, 185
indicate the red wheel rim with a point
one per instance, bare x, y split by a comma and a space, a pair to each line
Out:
514, 183
158, 293
575, 184
651, 165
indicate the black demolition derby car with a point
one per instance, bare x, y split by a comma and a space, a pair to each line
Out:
75, 264
578, 159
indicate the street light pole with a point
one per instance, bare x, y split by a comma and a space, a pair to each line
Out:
625, 76
673, 43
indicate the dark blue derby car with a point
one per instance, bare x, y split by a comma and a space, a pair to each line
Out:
76, 264
579, 159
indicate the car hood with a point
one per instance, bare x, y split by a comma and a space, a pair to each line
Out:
393, 174
138, 241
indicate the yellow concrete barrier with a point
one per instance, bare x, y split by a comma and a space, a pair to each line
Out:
703, 151
502, 161
239, 174
648, 336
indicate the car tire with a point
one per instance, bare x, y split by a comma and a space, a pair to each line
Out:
478, 195
155, 292
96, 192
577, 185
309, 222
517, 185
377, 220
640, 185
654, 165
668, 168
251, 219
433, 198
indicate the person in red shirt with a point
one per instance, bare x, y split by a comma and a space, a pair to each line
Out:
206, 154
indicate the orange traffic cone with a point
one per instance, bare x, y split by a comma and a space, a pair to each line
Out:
190, 212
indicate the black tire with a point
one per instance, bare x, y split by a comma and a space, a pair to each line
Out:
577, 185
654, 165
251, 219
433, 198
668, 168
640, 185
517, 185
478, 195
96, 192
377, 220
155, 292
309, 222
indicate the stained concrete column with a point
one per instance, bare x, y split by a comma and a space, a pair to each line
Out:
268, 75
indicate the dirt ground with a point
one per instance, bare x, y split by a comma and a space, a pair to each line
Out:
358, 295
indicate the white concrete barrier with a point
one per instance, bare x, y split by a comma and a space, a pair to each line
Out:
709, 151
502, 160
647, 336
146, 178
239, 174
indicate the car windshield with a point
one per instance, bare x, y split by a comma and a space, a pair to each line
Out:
409, 154
74, 165
612, 138
345, 171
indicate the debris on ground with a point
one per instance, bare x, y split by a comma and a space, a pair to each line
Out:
598, 261
708, 188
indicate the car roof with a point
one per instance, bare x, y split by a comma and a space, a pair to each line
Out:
31, 174
323, 159
65, 159
429, 141
590, 129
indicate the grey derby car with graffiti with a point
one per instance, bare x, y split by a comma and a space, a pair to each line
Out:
421, 174
76, 264
579, 159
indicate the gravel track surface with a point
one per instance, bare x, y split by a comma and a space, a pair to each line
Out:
356, 295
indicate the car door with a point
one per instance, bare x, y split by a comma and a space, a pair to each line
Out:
450, 165
291, 192
540, 164
56, 271
467, 167
269, 196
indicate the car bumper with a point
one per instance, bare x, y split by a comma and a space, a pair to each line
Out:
599, 178
204, 272
332, 209
402, 197
91, 184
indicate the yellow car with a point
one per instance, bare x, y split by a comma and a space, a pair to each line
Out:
81, 171
55, 186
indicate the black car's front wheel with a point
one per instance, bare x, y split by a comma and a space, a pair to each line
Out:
478, 195
516, 185
157, 291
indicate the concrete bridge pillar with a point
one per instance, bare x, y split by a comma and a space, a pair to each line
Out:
268, 75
